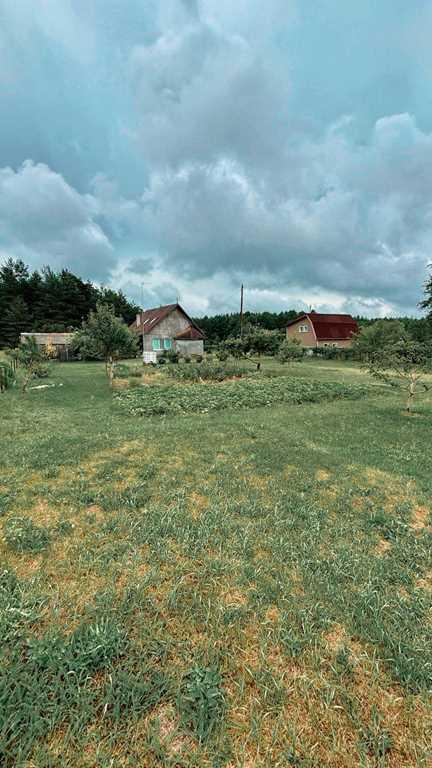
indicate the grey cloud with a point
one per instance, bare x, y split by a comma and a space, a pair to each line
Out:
45, 220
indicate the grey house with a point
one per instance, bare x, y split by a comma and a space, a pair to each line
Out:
165, 328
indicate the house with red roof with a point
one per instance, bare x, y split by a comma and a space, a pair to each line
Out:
314, 330
168, 328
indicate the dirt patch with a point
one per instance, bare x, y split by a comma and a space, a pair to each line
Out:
322, 475
382, 547
197, 503
336, 638
419, 518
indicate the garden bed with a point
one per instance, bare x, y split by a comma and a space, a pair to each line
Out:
250, 393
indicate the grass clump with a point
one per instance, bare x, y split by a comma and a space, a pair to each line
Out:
22, 535
201, 702
233, 395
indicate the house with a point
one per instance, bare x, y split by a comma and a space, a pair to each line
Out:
315, 330
165, 328
60, 341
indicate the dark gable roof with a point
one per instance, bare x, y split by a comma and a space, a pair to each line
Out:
192, 333
151, 317
330, 327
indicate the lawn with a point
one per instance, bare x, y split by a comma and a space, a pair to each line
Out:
237, 588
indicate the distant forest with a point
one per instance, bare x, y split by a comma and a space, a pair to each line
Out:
220, 327
49, 301
46, 300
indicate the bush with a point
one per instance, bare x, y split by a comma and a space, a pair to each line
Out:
170, 356
222, 354
121, 371
290, 351
41, 371
22, 535
7, 376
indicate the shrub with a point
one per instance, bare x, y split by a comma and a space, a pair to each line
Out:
7, 376
289, 351
121, 371
171, 355
222, 354
22, 535
41, 371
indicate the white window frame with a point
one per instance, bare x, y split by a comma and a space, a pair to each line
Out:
303, 329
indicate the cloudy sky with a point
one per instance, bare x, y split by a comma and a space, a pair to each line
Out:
181, 147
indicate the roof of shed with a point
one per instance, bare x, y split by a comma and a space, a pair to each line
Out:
48, 338
329, 327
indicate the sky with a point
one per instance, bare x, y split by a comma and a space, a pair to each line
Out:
179, 148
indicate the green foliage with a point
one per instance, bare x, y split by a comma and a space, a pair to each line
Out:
201, 702
254, 341
221, 327
105, 337
222, 354
290, 351
233, 395
207, 371
31, 359
403, 365
171, 355
373, 338
427, 301
7, 376
22, 535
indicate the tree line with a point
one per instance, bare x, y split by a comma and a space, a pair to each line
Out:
219, 328
46, 300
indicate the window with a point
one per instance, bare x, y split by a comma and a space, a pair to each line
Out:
156, 345
303, 328
167, 343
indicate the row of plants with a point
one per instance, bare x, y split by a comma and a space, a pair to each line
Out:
209, 370
249, 393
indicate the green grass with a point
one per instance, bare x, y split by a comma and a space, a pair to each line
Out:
235, 588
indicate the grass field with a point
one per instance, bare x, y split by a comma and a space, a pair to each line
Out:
236, 588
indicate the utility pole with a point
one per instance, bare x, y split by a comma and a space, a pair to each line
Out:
142, 318
241, 311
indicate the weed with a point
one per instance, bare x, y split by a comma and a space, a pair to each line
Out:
201, 702
22, 535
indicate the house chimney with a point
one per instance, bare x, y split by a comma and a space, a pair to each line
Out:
138, 320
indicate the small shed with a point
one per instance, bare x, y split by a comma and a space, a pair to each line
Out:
60, 341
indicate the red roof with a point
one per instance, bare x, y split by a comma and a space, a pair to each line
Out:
330, 327
151, 317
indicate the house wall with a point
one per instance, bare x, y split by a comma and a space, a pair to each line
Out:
168, 328
190, 347
306, 339
340, 343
